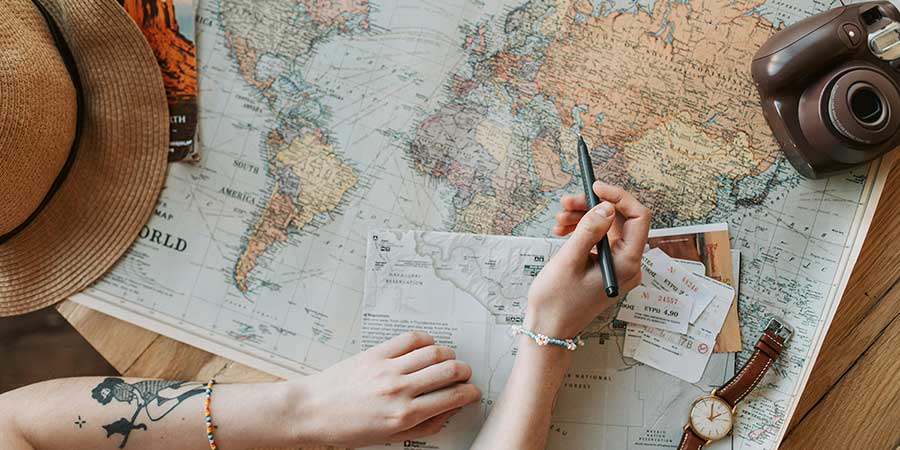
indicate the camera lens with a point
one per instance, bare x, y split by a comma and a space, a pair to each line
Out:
866, 105
862, 106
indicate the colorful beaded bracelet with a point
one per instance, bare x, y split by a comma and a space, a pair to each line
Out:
540, 339
208, 414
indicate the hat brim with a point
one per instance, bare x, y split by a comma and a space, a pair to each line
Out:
118, 171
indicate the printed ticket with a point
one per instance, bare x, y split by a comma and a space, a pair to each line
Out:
686, 355
633, 334
633, 331
695, 267
657, 309
664, 273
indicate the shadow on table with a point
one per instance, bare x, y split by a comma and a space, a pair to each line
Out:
41, 346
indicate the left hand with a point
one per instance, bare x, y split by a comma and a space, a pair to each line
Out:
404, 388
568, 293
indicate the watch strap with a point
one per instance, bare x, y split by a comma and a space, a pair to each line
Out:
765, 352
690, 440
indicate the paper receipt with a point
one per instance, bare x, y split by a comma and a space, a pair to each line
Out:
686, 355
656, 308
664, 273
633, 331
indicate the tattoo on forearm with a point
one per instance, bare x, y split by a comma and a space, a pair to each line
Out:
155, 398
80, 422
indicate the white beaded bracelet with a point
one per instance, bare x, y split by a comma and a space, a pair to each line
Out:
541, 340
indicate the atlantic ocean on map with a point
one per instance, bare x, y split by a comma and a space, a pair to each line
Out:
322, 119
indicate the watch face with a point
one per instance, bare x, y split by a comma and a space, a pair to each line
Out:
711, 418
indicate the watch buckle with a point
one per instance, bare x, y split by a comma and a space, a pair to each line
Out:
780, 328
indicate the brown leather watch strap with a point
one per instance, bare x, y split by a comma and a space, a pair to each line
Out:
765, 351
690, 440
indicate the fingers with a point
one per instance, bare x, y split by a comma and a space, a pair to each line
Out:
566, 221
574, 202
426, 428
423, 357
402, 344
626, 204
589, 231
438, 376
561, 231
569, 218
446, 399
634, 229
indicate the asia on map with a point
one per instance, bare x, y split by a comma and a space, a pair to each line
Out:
322, 119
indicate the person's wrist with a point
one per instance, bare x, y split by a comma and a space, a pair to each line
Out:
549, 323
296, 403
546, 359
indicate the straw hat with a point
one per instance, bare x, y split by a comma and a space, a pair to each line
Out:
83, 143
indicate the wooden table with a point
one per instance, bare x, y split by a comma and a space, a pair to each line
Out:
852, 400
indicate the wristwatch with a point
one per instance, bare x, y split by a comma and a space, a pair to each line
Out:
712, 416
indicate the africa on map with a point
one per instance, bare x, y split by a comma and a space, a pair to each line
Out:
323, 119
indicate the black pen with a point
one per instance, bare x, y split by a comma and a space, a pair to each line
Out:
607, 269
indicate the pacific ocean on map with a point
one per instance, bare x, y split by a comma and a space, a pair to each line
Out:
323, 119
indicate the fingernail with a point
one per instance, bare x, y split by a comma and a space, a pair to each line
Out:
606, 209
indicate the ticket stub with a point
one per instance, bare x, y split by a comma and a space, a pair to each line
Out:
710, 322
695, 267
676, 359
633, 333
664, 273
686, 355
655, 308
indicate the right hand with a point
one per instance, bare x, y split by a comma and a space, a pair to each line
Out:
568, 292
405, 388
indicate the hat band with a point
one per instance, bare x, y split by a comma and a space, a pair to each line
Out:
69, 61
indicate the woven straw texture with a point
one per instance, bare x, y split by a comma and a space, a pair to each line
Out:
119, 168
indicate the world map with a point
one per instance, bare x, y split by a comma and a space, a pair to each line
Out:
320, 119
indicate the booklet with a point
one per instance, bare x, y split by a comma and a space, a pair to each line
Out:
168, 26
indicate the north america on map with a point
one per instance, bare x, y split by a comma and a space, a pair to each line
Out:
321, 119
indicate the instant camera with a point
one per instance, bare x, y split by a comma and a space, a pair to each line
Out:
830, 87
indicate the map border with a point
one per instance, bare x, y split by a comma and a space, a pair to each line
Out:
112, 306
879, 169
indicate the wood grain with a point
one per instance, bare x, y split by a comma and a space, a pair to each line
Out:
865, 311
860, 411
852, 400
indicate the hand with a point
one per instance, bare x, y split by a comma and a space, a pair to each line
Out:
405, 388
568, 293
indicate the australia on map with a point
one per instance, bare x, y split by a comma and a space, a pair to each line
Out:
323, 119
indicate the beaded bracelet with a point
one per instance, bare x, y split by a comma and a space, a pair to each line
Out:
541, 340
206, 412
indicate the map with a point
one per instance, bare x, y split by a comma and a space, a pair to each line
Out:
322, 118
467, 289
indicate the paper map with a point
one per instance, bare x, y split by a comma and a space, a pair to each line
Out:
320, 119
455, 286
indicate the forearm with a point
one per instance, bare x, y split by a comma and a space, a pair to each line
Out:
520, 420
95, 413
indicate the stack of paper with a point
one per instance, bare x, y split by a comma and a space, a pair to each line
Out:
675, 316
